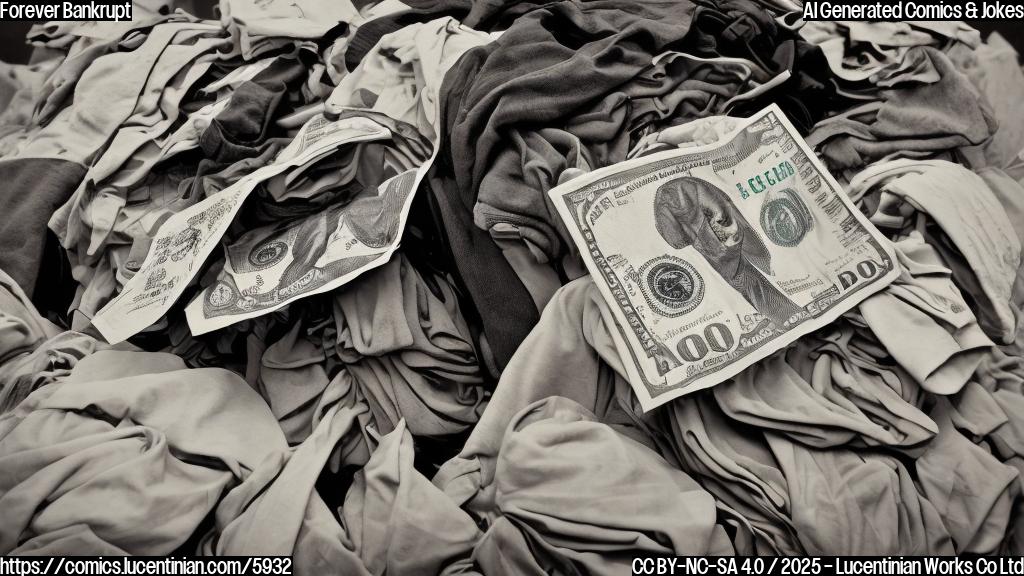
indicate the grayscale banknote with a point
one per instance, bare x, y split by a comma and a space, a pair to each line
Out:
271, 266
714, 257
186, 239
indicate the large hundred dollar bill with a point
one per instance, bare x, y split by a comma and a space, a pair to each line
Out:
186, 239
712, 258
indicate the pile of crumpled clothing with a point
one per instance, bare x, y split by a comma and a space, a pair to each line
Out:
461, 406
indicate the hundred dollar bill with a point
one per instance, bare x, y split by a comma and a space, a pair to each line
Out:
270, 267
711, 258
186, 239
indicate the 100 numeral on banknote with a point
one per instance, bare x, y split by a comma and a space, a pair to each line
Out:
712, 258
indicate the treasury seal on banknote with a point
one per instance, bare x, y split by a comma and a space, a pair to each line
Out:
268, 254
785, 218
671, 286
221, 295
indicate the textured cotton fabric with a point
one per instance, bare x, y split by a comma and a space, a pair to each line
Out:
987, 249
915, 120
554, 460
526, 77
529, 462
134, 428
404, 340
463, 406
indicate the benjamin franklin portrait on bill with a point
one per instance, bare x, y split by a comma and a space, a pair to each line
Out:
689, 211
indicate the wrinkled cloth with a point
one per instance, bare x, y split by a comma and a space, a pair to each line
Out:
840, 406
858, 51
974, 492
400, 336
995, 70
133, 428
19, 85
392, 514
948, 343
34, 188
554, 462
106, 95
277, 510
389, 507
561, 357
401, 76
110, 208
987, 250
771, 478
242, 129
33, 351
21, 326
750, 30
462, 406
403, 339
915, 120
532, 460
263, 27
513, 81
1010, 194
792, 498
851, 503
847, 365
120, 101
292, 380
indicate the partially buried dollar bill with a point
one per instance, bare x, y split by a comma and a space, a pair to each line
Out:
184, 241
271, 267
712, 258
